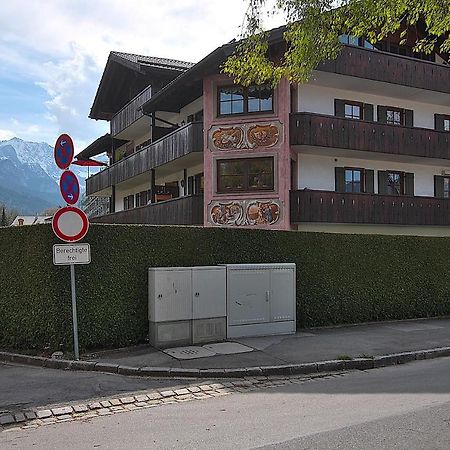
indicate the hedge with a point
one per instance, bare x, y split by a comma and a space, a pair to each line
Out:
340, 278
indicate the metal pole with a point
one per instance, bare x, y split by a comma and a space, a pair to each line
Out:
74, 312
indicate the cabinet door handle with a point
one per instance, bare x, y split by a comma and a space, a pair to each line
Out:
267, 296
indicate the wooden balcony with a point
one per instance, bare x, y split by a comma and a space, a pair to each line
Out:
181, 142
177, 211
335, 207
330, 131
131, 112
387, 67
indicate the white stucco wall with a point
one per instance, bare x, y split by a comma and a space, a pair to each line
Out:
317, 172
320, 99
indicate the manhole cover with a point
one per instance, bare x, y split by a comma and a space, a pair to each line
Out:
228, 348
191, 352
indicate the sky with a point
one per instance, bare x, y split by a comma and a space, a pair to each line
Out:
53, 52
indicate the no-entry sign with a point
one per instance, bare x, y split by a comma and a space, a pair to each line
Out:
69, 187
70, 224
64, 151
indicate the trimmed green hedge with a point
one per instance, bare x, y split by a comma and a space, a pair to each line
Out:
340, 278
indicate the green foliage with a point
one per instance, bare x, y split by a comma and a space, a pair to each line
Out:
3, 221
340, 278
313, 29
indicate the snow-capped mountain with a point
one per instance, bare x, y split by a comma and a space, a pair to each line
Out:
29, 176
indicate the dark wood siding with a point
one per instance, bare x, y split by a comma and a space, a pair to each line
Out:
329, 131
181, 142
131, 112
335, 207
178, 211
382, 66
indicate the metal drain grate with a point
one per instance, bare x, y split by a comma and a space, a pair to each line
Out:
191, 352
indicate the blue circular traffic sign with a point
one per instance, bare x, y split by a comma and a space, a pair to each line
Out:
64, 151
69, 187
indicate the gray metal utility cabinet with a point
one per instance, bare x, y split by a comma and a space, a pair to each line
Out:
261, 299
187, 305
193, 305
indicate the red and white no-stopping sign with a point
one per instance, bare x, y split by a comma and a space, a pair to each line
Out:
70, 224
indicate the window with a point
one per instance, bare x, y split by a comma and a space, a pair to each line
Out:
394, 116
354, 180
239, 100
128, 202
446, 187
353, 110
350, 109
349, 40
446, 124
251, 174
395, 183
196, 117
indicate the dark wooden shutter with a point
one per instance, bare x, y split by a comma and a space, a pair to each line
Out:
382, 182
368, 112
409, 117
339, 107
339, 179
409, 184
125, 203
369, 181
439, 122
382, 114
438, 186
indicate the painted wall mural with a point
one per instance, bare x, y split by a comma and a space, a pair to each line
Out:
245, 136
245, 212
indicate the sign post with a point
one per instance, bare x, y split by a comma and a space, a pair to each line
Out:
70, 224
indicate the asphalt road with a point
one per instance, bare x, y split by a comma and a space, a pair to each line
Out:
400, 407
23, 387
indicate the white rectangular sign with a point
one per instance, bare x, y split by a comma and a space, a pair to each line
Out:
66, 254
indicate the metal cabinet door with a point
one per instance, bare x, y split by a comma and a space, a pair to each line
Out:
282, 295
209, 290
248, 296
173, 290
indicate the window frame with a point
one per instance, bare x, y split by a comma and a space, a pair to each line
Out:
402, 116
246, 175
446, 177
245, 94
402, 181
362, 181
354, 103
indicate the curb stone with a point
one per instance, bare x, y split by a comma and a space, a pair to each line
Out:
239, 372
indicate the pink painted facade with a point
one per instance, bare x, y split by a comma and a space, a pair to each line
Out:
252, 135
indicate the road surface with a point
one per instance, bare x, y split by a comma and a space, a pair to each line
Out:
401, 407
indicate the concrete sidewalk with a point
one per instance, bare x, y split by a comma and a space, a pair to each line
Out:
307, 346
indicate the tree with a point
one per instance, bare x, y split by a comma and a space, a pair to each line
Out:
3, 222
314, 26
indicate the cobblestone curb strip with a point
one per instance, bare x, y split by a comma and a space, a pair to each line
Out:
177, 372
149, 399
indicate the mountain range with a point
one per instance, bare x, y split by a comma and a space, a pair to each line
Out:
29, 177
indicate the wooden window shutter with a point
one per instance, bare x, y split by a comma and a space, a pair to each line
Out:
382, 114
339, 107
382, 182
339, 179
439, 122
369, 181
409, 117
368, 112
438, 186
409, 184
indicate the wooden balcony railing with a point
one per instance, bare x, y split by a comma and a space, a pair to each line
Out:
177, 211
130, 112
382, 66
181, 142
336, 132
335, 207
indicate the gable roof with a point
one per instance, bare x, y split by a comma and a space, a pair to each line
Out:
127, 74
